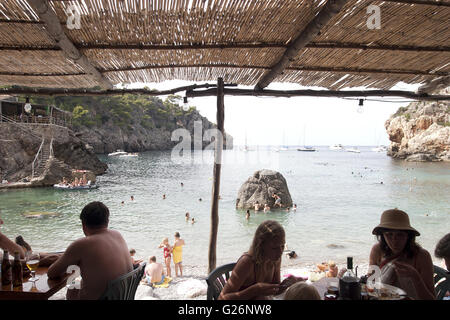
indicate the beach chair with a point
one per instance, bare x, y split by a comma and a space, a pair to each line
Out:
124, 287
216, 280
441, 282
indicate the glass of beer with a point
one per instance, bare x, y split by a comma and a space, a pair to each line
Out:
32, 260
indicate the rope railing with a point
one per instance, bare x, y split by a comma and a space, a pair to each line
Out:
37, 159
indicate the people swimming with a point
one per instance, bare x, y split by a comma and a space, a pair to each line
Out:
187, 216
266, 207
247, 215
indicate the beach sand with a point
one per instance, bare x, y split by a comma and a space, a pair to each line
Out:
192, 286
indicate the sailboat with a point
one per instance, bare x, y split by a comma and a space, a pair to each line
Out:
246, 148
305, 148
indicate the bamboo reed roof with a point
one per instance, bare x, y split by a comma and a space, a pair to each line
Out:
238, 40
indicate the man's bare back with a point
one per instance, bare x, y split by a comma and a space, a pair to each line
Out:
155, 271
102, 255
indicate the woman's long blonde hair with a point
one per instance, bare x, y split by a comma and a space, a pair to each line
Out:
268, 230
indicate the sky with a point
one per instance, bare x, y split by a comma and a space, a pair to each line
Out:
311, 121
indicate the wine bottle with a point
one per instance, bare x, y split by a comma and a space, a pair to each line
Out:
17, 273
349, 287
6, 269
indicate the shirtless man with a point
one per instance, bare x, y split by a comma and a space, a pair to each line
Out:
154, 272
102, 255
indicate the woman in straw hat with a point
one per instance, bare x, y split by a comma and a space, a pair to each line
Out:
397, 247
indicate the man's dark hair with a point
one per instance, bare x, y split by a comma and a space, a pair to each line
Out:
443, 247
95, 215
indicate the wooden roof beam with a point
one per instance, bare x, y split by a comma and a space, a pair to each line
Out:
435, 84
422, 2
56, 33
328, 11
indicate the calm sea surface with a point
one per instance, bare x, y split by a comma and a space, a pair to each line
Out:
339, 196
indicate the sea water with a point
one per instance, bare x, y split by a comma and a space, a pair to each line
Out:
339, 195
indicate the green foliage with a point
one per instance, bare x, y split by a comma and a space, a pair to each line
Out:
407, 116
126, 111
400, 111
79, 115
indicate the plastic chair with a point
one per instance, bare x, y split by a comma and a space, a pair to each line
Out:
124, 287
441, 282
217, 279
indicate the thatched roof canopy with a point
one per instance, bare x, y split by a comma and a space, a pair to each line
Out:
238, 40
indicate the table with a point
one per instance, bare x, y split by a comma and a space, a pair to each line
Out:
322, 285
42, 289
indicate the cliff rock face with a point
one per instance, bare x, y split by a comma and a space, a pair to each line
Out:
260, 187
18, 149
420, 131
137, 138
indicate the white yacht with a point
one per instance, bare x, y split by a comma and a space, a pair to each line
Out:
379, 149
336, 147
355, 150
117, 153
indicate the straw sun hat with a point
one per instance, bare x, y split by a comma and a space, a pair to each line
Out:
394, 219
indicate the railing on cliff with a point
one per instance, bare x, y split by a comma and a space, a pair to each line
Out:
37, 159
19, 125
51, 148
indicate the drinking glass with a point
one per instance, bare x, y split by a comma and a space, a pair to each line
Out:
32, 260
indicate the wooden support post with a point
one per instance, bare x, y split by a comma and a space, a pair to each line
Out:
216, 182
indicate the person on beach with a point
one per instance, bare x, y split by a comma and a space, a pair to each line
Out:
442, 250
257, 206
133, 261
154, 272
247, 215
187, 216
266, 208
178, 253
302, 291
257, 272
93, 254
182, 184
402, 261
193, 221
164, 196
167, 253
132, 198
294, 208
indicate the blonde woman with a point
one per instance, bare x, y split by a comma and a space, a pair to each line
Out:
257, 272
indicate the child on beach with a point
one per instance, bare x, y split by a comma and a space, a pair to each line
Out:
167, 252
192, 221
257, 272
135, 262
178, 253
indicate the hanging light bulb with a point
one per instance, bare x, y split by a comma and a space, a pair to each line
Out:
360, 106
185, 104
27, 106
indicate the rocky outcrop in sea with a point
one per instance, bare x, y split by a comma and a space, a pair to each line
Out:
260, 187
421, 131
